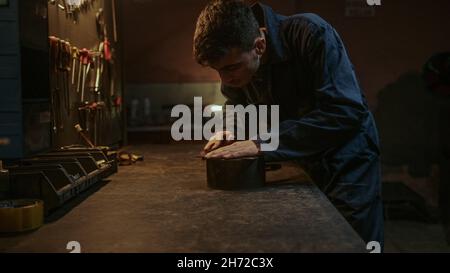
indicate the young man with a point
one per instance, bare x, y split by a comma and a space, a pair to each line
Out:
299, 63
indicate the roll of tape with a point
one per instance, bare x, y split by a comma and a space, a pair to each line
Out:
21, 215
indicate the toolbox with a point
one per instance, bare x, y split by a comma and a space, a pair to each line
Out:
58, 176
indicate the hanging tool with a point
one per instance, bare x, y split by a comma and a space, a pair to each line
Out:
114, 20
86, 62
100, 24
60, 59
81, 132
96, 109
67, 8
62, 6
108, 57
99, 68
54, 44
64, 57
82, 54
98, 114
67, 56
60, 72
90, 65
75, 57
107, 50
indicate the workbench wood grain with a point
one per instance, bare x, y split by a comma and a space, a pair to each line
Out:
163, 205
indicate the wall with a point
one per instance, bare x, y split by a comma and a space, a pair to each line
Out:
401, 36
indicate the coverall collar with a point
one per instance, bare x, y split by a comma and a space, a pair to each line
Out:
272, 22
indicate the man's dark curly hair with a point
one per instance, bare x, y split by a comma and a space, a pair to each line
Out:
221, 26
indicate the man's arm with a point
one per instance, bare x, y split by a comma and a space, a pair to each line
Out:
340, 107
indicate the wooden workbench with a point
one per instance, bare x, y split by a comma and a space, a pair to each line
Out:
163, 205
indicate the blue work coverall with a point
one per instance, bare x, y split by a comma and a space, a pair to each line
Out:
325, 122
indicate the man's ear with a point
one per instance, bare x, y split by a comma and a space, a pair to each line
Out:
260, 45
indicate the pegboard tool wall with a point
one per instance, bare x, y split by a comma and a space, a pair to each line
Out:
104, 123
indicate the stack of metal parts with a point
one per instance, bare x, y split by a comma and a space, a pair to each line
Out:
58, 176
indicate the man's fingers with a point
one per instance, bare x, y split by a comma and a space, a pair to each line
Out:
223, 154
216, 145
234, 150
212, 145
222, 138
227, 155
208, 145
227, 151
215, 153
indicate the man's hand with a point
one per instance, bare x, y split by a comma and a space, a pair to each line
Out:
235, 150
220, 139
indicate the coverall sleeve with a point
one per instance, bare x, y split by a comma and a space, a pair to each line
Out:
340, 107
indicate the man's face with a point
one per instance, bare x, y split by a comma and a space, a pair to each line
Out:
237, 68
